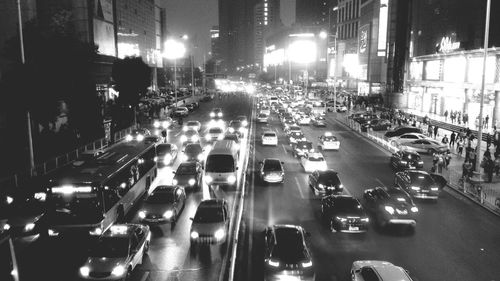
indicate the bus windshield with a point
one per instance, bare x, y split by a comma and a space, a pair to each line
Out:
218, 163
77, 207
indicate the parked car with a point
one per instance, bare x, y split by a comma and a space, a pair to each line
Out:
400, 130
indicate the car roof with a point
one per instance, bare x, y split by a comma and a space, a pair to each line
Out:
386, 270
164, 188
269, 132
121, 230
328, 172
212, 203
272, 160
188, 164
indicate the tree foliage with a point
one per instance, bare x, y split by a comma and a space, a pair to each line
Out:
132, 77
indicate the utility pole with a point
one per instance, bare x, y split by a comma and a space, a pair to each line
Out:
192, 75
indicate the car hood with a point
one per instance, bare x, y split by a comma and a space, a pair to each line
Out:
100, 264
351, 213
157, 209
184, 178
206, 228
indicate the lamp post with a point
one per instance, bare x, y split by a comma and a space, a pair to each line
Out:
174, 50
483, 81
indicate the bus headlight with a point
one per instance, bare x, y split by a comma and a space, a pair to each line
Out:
142, 214
29, 227
168, 214
129, 138
191, 182
118, 270
84, 271
219, 234
194, 235
208, 179
231, 179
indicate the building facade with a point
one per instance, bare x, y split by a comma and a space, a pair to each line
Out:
266, 20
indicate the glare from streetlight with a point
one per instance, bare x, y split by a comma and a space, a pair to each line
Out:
174, 49
323, 34
185, 37
302, 51
335, 8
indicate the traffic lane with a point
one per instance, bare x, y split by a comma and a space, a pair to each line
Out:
169, 255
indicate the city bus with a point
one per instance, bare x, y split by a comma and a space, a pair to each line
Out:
8, 266
88, 196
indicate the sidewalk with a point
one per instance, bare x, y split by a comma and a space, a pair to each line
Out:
488, 196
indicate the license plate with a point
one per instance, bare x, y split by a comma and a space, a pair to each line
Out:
353, 228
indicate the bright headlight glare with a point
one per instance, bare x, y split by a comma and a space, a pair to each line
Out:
118, 270
321, 186
365, 219
195, 138
164, 124
273, 263
208, 179
191, 182
29, 227
140, 137
156, 124
6, 226
414, 209
53, 232
207, 137
95, 231
40, 196
241, 130
219, 114
183, 138
415, 188
434, 188
307, 264
142, 214
341, 219
220, 137
212, 114
194, 235
175, 181
185, 128
168, 214
231, 179
129, 138
84, 271
231, 130
389, 209
200, 157
245, 123
219, 234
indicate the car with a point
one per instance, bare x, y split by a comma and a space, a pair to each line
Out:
368, 270
356, 115
214, 134
233, 137
304, 120
193, 152
319, 121
400, 130
344, 213
210, 223
166, 153
330, 105
287, 122
243, 119
265, 110
154, 139
216, 113
390, 205
328, 141
272, 171
366, 118
286, 253
192, 125
116, 253
312, 161
420, 184
270, 138
189, 136
163, 124
403, 159
262, 118
188, 175
325, 182
192, 106
291, 129
429, 146
376, 125
398, 140
181, 111
163, 205
295, 137
302, 147
236, 127
138, 135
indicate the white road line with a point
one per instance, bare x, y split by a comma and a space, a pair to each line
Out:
178, 133
300, 190
379, 181
284, 149
145, 276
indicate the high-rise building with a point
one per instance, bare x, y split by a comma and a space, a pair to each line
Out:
215, 42
266, 20
312, 12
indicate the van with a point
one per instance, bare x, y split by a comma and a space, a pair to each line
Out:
221, 165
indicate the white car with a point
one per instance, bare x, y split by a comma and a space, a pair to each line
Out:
378, 270
214, 134
262, 118
395, 141
292, 129
270, 138
265, 110
304, 120
192, 125
116, 253
313, 161
210, 223
328, 142
181, 111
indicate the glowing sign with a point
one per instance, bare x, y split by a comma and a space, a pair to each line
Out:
447, 45
382, 27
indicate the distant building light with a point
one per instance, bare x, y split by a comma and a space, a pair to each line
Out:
301, 35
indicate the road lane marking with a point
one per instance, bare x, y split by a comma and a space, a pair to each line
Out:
300, 190
145, 276
284, 149
379, 181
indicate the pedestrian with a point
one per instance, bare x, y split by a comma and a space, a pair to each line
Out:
497, 165
441, 163
446, 116
435, 160
486, 119
452, 116
466, 119
445, 140
429, 130
476, 123
467, 170
452, 139
459, 118
488, 140
436, 128
489, 166
460, 146
447, 159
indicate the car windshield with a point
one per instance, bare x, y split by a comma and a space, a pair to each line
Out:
332, 138
294, 128
289, 246
329, 178
215, 130
269, 135
297, 135
110, 247
220, 163
272, 166
193, 149
304, 145
422, 180
316, 158
235, 124
347, 204
209, 215
161, 197
163, 149
192, 123
186, 169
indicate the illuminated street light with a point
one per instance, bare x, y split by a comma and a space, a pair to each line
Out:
174, 50
185, 37
323, 34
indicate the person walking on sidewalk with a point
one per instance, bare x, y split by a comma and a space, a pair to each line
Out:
447, 159
460, 146
436, 128
446, 116
452, 139
486, 119
497, 165
459, 118
467, 170
445, 140
466, 119
488, 140
488, 166
452, 116
429, 130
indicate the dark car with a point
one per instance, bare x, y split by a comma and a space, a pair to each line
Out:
420, 184
233, 137
272, 171
294, 137
406, 160
236, 127
286, 253
366, 117
325, 182
390, 205
138, 135
243, 119
188, 175
319, 121
190, 136
216, 113
344, 213
302, 147
163, 205
166, 153
376, 125
398, 131
193, 152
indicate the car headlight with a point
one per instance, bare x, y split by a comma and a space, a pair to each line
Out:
191, 182
185, 128
175, 181
273, 263
231, 130
341, 219
165, 124
53, 232
129, 138
307, 264
403, 162
6, 226
414, 209
212, 114
207, 137
208, 179
195, 138
389, 209
220, 137
155, 159
40, 196
434, 188
156, 124
29, 227
157, 132
118, 270
183, 138
416, 188
241, 130
219, 114
142, 214
140, 137
184, 158
200, 157
365, 219
84, 271
245, 123
95, 231
231, 179
168, 214
321, 186
341, 186
420, 162
194, 235
219, 234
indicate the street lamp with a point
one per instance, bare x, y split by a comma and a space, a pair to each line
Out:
174, 50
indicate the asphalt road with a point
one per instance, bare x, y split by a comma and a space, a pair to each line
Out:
454, 239
169, 257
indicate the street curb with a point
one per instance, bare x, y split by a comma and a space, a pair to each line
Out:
451, 186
